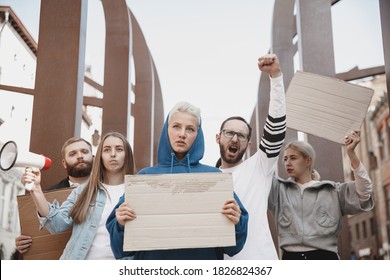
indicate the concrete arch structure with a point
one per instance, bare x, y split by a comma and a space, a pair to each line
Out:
148, 108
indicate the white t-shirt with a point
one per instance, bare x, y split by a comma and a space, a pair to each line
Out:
253, 177
252, 187
101, 248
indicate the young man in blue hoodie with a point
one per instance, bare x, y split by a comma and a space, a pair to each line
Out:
180, 149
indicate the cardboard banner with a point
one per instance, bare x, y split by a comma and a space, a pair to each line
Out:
325, 107
45, 246
178, 211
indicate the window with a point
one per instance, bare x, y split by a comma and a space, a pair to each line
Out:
2, 202
372, 226
387, 135
357, 228
364, 230
388, 202
381, 144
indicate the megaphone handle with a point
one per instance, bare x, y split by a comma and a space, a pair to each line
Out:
29, 186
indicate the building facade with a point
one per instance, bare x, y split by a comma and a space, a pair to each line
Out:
18, 56
369, 232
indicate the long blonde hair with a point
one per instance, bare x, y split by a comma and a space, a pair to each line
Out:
81, 207
307, 151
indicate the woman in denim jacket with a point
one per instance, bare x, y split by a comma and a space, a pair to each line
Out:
87, 207
308, 211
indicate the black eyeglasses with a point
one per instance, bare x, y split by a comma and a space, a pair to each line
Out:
230, 134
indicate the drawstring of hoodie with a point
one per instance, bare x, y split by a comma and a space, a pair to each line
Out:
172, 155
188, 162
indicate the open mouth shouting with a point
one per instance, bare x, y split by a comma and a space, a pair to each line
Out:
232, 150
232, 153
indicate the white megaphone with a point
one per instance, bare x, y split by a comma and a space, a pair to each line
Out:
9, 158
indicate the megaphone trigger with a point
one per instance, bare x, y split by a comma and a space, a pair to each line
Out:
29, 186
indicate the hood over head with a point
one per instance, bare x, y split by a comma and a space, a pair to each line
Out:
167, 156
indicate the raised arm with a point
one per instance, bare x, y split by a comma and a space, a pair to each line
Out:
362, 180
269, 63
351, 140
275, 126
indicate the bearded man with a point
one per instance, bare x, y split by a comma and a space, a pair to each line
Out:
77, 159
252, 177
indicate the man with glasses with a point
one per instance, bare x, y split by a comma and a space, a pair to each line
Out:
252, 178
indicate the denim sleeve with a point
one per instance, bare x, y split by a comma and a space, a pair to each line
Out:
116, 232
58, 220
241, 231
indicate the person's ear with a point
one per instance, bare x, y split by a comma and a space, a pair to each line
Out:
217, 138
249, 145
64, 163
309, 161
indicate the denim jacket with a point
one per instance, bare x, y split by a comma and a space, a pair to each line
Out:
82, 234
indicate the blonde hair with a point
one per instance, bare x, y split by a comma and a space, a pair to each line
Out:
307, 151
80, 208
185, 107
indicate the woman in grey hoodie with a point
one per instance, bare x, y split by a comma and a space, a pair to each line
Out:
308, 211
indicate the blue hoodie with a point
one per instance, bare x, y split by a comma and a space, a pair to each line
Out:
169, 163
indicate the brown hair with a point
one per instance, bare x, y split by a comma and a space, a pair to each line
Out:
80, 208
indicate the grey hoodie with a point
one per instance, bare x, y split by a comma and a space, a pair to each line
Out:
314, 217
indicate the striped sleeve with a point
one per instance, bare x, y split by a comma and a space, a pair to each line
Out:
274, 133
275, 126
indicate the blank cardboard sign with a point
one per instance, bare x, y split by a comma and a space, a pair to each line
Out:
45, 246
324, 106
178, 211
